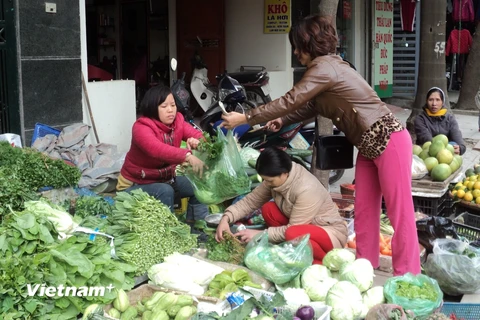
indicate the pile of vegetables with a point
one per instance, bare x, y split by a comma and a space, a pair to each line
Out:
32, 254
146, 231
160, 306
229, 250
23, 171
385, 244
229, 281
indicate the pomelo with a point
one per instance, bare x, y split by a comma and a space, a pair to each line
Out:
440, 137
426, 145
469, 172
435, 147
450, 148
444, 156
459, 159
417, 149
454, 165
430, 163
441, 172
424, 154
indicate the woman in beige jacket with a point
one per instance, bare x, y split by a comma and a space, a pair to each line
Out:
300, 205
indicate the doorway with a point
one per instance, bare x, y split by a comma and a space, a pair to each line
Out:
9, 95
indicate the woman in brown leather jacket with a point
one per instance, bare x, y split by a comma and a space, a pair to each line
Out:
332, 89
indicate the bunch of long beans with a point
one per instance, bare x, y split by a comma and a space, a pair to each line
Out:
146, 230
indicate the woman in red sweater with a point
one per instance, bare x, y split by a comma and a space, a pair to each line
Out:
155, 152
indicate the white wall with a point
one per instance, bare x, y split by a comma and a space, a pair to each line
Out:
113, 110
247, 45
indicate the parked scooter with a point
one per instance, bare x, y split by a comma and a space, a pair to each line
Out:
254, 79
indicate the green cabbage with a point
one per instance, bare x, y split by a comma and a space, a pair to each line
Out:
373, 296
336, 258
317, 280
346, 301
358, 272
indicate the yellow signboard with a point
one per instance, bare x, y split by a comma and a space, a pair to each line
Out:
277, 16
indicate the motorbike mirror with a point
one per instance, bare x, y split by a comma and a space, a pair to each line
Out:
220, 103
173, 64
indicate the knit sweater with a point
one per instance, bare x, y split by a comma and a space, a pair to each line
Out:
155, 149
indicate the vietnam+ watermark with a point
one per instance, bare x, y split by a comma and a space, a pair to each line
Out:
67, 291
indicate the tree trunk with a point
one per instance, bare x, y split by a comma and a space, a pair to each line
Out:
432, 56
328, 9
470, 82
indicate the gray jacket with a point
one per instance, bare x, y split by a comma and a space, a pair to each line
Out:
427, 127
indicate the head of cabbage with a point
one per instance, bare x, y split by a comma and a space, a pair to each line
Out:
359, 272
345, 300
336, 258
317, 280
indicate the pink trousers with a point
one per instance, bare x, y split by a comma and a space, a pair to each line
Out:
389, 175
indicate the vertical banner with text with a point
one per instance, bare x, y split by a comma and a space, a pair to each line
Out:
383, 48
277, 16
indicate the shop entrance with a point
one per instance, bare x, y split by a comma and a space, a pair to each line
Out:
9, 106
128, 39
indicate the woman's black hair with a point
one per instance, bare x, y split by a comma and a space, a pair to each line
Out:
272, 162
153, 98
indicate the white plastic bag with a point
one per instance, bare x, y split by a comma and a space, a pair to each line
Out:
419, 170
455, 265
14, 139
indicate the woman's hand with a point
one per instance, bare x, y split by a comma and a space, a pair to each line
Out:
274, 125
197, 164
192, 143
222, 226
247, 234
456, 149
233, 119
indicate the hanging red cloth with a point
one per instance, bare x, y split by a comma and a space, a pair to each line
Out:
407, 14
463, 11
459, 41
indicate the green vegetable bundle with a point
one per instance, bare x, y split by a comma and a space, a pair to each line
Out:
146, 230
32, 256
229, 250
224, 176
24, 171
228, 282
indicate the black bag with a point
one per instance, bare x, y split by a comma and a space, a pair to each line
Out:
334, 152
434, 227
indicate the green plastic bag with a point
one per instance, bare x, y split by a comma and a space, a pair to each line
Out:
224, 176
278, 263
421, 307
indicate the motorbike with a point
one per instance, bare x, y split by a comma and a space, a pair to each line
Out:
254, 79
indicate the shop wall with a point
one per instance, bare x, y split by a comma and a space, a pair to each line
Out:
247, 45
50, 60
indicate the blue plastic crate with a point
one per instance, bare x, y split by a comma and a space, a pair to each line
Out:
466, 311
41, 130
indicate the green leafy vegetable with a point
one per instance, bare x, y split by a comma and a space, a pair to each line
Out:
23, 171
32, 254
146, 230
412, 291
211, 146
229, 250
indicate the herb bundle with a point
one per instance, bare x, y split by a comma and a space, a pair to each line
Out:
229, 250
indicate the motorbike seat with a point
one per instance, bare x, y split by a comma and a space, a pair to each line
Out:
245, 77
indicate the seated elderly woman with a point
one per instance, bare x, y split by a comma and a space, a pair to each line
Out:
435, 120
